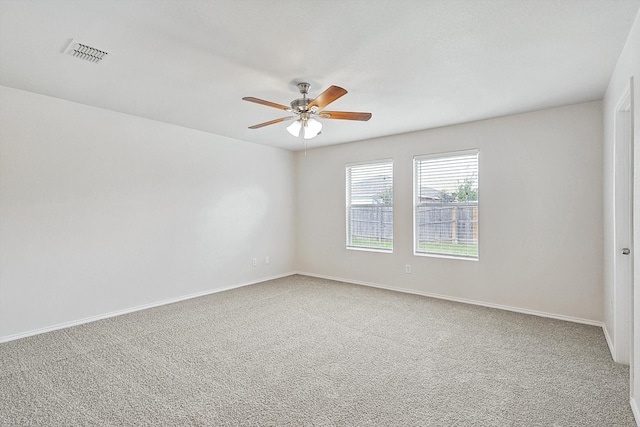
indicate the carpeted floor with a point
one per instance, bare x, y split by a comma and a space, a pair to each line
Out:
301, 351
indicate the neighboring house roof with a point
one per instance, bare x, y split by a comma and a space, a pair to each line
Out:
428, 193
368, 190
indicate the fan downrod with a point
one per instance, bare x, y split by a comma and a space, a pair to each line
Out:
300, 105
304, 109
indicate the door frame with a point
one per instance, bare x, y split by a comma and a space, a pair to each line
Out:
621, 302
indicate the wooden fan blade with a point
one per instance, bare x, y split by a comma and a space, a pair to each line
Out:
272, 122
345, 115
267, 103
327, 97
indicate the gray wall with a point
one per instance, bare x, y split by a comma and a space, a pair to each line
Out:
103, 212
543, 169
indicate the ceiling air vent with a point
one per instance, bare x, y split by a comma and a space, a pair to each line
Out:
84, 51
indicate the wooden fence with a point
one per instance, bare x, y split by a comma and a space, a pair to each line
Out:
371, 222
438, 222
454, 222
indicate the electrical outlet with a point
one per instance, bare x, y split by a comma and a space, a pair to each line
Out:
407, 269
255, 262
266, 259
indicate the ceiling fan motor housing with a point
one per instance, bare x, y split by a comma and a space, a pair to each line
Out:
300, 104
305, 109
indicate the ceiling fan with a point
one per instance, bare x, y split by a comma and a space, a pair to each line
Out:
306, 110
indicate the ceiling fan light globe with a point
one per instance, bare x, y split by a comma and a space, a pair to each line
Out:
294, 128
312, 129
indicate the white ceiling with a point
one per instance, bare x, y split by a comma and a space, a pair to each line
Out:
413, 64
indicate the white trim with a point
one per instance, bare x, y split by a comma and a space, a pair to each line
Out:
635, 410
369, 162
355, 282
416, 191
462, 300
624, 103
446, 154
434, 255
137, 308
612, 348
621, 330
348, 202
367, 249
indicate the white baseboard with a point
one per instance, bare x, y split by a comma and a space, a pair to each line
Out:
635, 410
612, 349
462, 300
340, 279
132, 309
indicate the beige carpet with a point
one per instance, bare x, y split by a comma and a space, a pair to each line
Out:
300, 351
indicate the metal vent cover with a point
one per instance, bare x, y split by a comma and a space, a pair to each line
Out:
84, 51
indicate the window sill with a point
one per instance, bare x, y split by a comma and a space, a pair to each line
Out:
464, 258
356, 248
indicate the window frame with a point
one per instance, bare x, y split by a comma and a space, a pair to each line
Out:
416, 193
348, 205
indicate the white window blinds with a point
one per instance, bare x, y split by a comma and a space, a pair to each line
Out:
369, 189
446, 204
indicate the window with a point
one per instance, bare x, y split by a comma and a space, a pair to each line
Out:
446, 205
370, 206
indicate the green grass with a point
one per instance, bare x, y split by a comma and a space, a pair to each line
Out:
455, 249
360, 242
